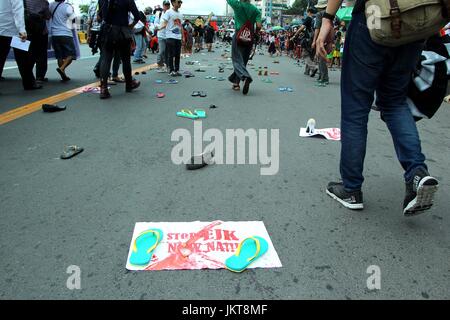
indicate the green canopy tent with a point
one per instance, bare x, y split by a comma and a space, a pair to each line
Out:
345, 14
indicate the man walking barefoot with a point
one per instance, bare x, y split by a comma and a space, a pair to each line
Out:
368, 68
243, 12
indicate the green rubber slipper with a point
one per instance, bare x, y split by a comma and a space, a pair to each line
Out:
186, 113
144, 245
200, 113
248, 251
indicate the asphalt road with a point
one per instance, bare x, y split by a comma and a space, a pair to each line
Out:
82, 211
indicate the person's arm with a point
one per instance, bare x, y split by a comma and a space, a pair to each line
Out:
19, 17
316, 35
135, 12
164, 21
327, 27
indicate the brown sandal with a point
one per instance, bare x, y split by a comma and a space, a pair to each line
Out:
236, 87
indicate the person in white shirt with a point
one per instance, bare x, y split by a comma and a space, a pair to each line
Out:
62, 38
12, 24
172, 22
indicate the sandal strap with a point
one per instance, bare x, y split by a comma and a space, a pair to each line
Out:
144, 233
258, 248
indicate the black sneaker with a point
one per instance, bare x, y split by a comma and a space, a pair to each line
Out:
351, 200
419, 193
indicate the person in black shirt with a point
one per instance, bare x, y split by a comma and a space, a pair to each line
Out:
117, 35
306, 36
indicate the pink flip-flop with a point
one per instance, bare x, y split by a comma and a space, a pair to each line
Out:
160, 95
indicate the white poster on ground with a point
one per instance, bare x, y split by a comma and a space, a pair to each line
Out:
202, 245
333, 134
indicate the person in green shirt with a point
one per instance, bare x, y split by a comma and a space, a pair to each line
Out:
243, 11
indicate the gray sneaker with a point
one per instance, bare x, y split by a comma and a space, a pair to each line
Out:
351, 200
420, 193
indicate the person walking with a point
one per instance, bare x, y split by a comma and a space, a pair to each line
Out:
244, 12
12, 24
117, 36
62, 37
305, 38
161, 33
367, 68
94, 41
323, 79
172, 22
37, 13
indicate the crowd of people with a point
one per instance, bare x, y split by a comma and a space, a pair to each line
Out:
123, 35
161, 31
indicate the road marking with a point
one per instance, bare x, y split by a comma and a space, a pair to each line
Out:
37, 105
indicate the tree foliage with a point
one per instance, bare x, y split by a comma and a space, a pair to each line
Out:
300, 6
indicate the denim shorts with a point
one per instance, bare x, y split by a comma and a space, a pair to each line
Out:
64, 47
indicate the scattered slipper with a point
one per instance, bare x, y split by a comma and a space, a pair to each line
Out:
200, 113
199, 70
158, 81
195, 94
172, 81
275, 73
213, 106
136, 73
221, 79
52, 108
248, 251
186, 113
160, 95
267, 80
71, 151
144, 245
203, 94
143, 72
201, 161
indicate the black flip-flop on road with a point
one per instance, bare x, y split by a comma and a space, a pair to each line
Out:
198, 162
52, 108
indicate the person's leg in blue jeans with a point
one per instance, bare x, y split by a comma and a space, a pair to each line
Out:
369, 68
139, 39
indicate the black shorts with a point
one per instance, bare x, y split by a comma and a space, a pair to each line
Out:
64, 47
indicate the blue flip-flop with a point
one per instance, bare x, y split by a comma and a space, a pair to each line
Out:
158, 81
200, 113
144, 245
249, 250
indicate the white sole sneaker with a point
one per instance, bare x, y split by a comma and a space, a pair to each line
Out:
358, 206
424, 198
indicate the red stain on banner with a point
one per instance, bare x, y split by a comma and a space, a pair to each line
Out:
188, 255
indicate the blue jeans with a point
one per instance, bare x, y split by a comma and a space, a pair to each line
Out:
140, 46
368, 68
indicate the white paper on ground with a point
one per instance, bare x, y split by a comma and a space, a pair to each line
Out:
209, 244
328, 133
18, 44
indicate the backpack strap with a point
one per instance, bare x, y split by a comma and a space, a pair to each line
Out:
396, 20
53, 13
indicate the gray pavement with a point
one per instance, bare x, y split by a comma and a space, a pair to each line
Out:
82, 211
